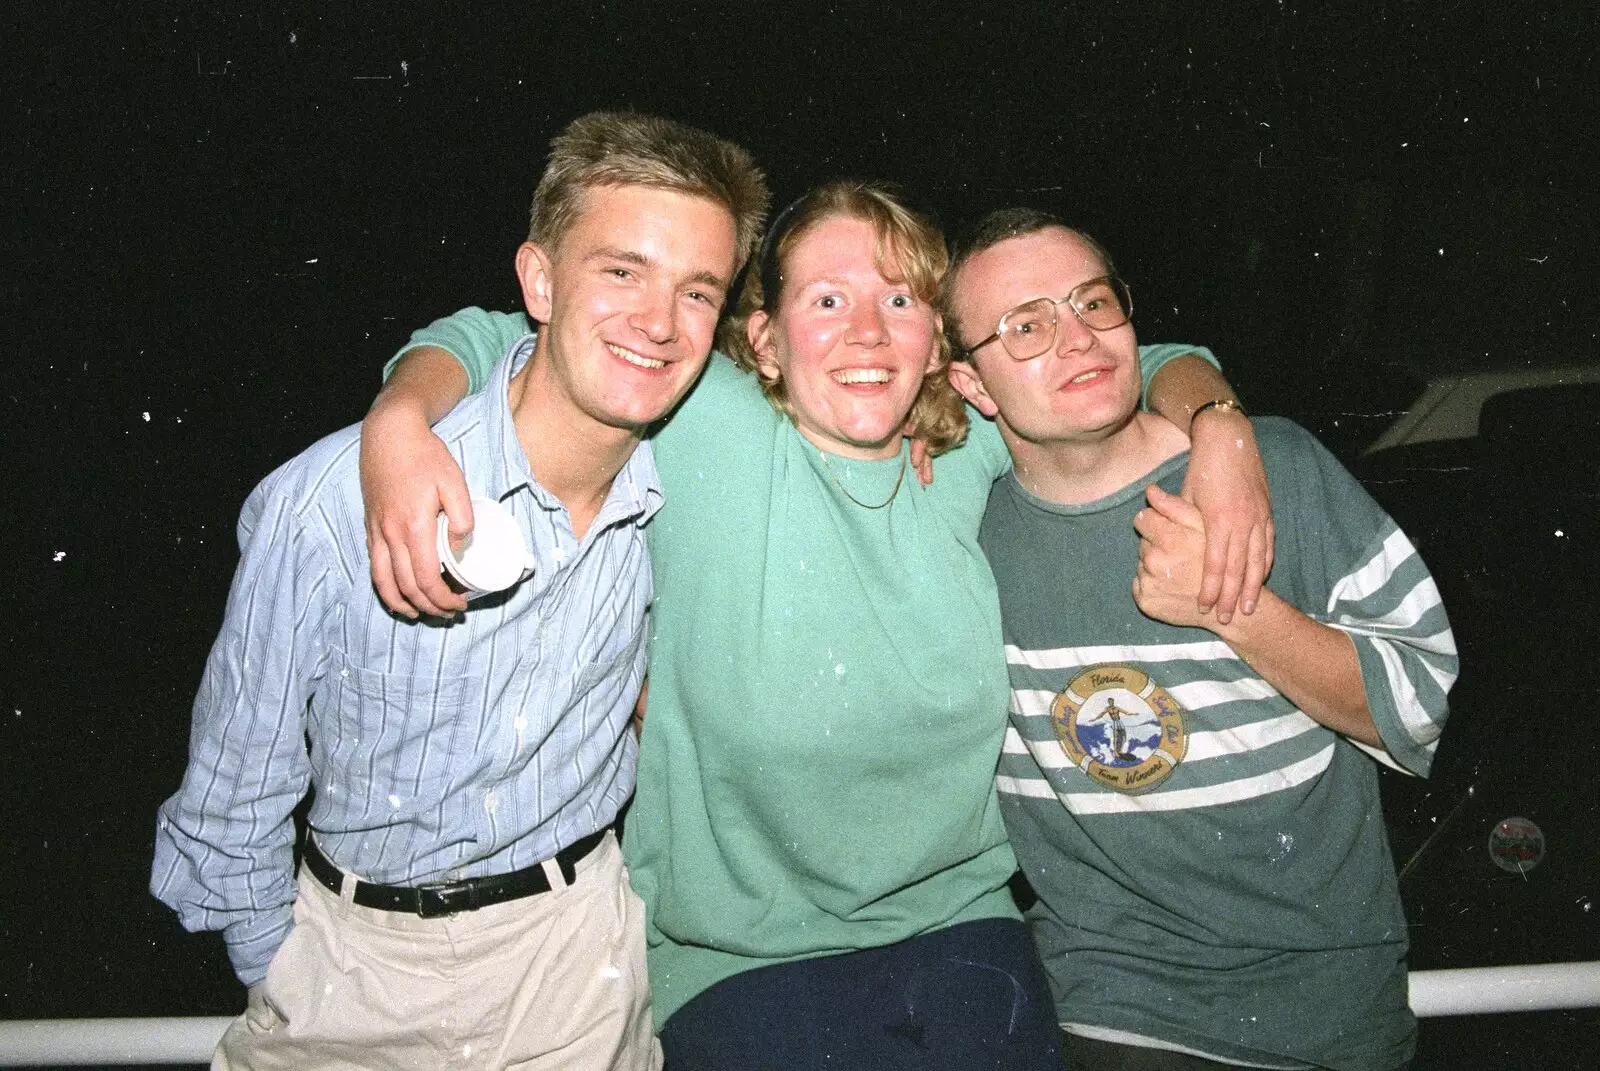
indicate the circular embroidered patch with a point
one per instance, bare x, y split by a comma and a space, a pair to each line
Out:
1119, 727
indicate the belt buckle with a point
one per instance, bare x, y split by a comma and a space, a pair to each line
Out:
433, 899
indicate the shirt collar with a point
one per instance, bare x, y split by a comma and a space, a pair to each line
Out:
635, 493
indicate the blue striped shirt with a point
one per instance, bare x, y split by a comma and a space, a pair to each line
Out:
438, 750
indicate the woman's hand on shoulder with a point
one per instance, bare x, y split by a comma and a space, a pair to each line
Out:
407, 477
1228, 485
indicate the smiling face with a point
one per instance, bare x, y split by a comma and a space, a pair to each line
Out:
850, 340
1082, 390
628, 302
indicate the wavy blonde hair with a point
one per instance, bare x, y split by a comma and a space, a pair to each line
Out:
907, 241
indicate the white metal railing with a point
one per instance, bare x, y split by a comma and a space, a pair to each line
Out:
1487, 990
76, 1042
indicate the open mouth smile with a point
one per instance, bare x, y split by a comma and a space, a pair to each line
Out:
1087, 379
635, 359
846, 377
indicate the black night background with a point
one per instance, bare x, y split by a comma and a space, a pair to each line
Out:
221, 218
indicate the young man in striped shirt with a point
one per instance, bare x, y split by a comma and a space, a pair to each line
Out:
1195, 803
462, 901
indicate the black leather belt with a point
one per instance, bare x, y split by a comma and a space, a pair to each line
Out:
448, 898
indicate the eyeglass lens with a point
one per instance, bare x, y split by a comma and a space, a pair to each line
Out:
1030, 329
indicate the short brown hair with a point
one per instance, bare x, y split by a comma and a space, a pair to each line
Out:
915, 245
998, 226
627, 149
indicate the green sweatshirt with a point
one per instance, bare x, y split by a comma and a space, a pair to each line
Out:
827, 688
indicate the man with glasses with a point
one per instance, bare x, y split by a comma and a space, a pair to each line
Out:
1194, 802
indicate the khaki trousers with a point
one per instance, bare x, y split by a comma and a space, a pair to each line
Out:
555, 980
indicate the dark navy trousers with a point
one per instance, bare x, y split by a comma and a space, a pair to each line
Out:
968, 997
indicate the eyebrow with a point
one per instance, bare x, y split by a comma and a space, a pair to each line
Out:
842, 280
630, 256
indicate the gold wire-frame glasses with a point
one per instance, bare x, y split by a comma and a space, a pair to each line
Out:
1101, 304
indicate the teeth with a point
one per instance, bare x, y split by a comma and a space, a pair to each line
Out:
634, 358
1086, 376
862, 375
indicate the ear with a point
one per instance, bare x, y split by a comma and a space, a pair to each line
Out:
534, 273
758, 329
965, 379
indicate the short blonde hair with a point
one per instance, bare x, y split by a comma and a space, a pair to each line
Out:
626, 149
909, 240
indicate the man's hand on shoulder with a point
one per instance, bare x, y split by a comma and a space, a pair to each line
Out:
407, 478
1172, 550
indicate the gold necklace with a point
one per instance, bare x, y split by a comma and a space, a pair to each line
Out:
846, 491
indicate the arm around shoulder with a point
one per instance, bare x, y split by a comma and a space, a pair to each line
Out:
1226, 478
407, 478
473, 337
407, 475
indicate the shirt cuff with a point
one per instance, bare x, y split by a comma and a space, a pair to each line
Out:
253, 942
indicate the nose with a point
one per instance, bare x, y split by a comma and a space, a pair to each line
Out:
867, 327
656, 315
1072, 334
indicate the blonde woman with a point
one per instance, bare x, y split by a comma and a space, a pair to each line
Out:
815, 834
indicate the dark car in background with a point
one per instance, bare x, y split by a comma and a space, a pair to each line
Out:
1495, 475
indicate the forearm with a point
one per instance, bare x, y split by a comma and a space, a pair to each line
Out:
1183, 385
224, 846
408, 476
1226, 480
426, 384
226, 882
224, 850
1313, 665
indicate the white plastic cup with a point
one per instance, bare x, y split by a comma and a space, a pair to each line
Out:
495, 556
